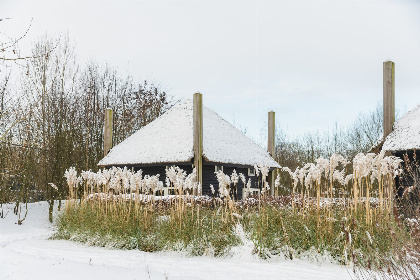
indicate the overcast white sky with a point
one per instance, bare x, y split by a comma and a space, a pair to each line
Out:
313, 62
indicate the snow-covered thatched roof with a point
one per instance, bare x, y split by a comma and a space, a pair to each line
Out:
406, 133
169, 139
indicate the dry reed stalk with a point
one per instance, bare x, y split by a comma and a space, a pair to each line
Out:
367, 203
318, 202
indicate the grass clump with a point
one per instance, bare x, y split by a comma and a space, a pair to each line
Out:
150, 227
293, 232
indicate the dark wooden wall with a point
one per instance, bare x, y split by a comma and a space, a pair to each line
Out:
161, 170
209, 177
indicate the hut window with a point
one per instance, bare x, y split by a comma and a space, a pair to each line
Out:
251, 172
218, 167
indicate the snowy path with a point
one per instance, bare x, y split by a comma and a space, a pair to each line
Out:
25, 253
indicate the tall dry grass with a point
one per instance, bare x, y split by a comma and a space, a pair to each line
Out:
335, 210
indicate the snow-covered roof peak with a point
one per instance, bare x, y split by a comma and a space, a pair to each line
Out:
169, 139
406, 133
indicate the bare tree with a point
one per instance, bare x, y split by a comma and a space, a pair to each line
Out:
60, 111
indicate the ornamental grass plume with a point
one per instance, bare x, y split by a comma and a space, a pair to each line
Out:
224, 184
212, 189
247, 189
234, 178
277, 181
72, 181
263, 169
243, 178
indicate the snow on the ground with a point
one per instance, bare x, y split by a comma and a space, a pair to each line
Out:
27, 253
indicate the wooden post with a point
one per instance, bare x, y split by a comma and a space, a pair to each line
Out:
198, 137
108, 130
271, 147
389, 116
389, 97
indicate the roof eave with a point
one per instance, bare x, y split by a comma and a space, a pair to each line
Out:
164, 163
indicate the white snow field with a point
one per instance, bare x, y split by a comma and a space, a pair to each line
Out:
27, 253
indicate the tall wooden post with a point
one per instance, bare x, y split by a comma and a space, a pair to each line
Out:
198, 137
271, 147
389, 97
389, 116
108, 130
